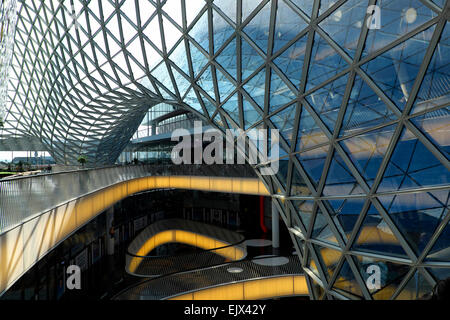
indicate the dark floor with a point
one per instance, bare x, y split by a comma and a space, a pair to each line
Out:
108, 277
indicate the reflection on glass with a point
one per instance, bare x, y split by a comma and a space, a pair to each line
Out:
346, 281
416, 288
329, 259
412, 165
381, 277
376, 236
397, 19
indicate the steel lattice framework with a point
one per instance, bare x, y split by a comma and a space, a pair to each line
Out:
363, 113
8, 18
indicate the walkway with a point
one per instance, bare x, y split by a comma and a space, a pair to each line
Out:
259, 278
217, 246
39, 212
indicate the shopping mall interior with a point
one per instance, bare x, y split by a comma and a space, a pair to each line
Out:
271, 150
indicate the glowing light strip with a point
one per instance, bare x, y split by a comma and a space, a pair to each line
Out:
273, 287
231, 253
23, 246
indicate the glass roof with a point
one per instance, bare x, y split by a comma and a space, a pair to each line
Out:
363, 113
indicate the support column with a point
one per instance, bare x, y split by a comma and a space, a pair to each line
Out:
109, 232
275, 226
153, 125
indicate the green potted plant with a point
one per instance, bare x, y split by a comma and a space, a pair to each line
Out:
82, 160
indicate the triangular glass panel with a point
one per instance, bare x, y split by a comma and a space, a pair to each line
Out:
322, 229
258, 28
327, 101
232, 108
291, 61
222, 30
345, 24
440, 251
416, 288
340, 180
283, 172
281, 147
312, 265
148, 84
193, 8
313, 162
435, 126
192, 101
395, 71
248, 7
325, 63
171, 33
228, 7
163, 76
284, 122
305, 6
179, 57
149, 31
210, 107
346, 281
172, 8
347, 212
200, 31
298, 184
288, 24
199, 60
440, 3
280, 94
439, 273
367, 151
391, 275
412, 165
224, 85
364, 110
227, 59
256, 88
309, 133
251, 60
396, 21
305, 211
221, 124
377, 237
410, 210
329, 259
206, 81
251, 115
182, 83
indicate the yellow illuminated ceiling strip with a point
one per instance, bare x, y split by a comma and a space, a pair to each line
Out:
273, 287
69, 217
231, 253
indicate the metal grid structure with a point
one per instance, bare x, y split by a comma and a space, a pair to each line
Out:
24, 198
172, 285
363, 113
8, 18
157, 265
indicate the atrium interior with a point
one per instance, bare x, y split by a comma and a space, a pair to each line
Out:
224, 150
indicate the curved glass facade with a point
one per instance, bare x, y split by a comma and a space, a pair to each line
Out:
363, 112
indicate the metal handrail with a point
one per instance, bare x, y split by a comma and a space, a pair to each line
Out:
175, 284
151, 266
25, 197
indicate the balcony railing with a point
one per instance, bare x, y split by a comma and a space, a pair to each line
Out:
24, 198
